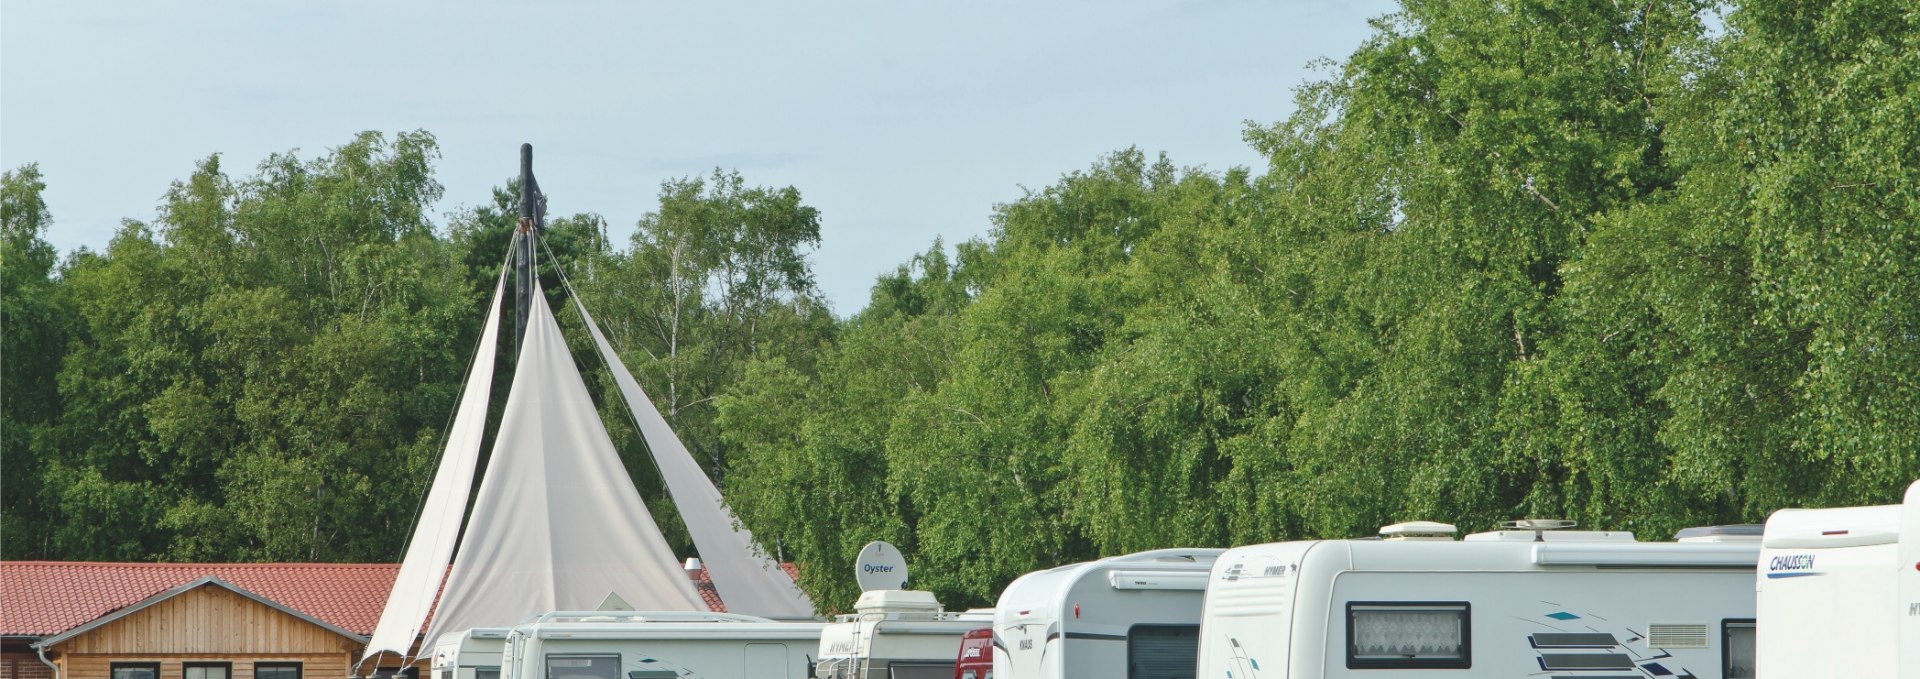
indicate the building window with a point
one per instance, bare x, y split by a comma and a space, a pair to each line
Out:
136, 670
276, 670
1737, 644
1409, 635
207, 670
408, 672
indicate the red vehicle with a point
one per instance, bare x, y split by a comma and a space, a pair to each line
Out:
976, 655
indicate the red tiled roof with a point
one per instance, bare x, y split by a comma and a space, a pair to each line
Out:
40, 598
703, 583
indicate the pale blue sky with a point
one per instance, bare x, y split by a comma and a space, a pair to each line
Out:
901, 121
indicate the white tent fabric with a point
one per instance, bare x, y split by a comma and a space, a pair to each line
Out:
425, 565
747, 581
557, 524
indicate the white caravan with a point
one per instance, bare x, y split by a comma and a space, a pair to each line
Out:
672, 645
1135, 616
1526, 602
895, 634
1840, 592
469, 654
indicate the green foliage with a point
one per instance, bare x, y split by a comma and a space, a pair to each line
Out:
715, 279
1533, 258
1510, 259
33, 330
240, 376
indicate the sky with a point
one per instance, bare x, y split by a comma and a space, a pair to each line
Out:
902, 122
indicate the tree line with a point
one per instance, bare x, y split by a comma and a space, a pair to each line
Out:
1640, 265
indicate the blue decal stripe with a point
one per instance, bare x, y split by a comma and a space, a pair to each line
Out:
1794, 574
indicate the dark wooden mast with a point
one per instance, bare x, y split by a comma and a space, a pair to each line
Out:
532, 223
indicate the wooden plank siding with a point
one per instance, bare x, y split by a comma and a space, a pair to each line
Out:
210, 620
172, 666
207, 624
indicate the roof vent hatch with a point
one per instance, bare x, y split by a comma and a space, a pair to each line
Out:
1419, 530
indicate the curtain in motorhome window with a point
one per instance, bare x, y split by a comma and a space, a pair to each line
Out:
1408, 634
1738, 640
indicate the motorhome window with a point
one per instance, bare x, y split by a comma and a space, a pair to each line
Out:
276, 670
1737, 640
583, 667
1162, 651
1409, 635
136, 670
486, 673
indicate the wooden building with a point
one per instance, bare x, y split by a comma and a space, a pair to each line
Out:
208, 629
89, 620
76, 620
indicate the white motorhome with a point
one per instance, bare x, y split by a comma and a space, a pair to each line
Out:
1531, 601
895, 634
1839, 592
1134, 616
599, 645
469, 654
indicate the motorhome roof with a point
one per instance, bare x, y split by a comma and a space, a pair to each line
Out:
642, 616
1504, 555
1177, 555
1162, 559
1739, 531
1838, 527
673, 630
1550, 535
946, 626
1043, 593
487, 633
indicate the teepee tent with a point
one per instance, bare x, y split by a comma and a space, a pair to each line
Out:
425, 565
748, 581
563, 529
557, 524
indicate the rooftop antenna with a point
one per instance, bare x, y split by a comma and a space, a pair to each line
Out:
533, 222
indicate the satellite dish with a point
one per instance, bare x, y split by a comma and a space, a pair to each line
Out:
880, 566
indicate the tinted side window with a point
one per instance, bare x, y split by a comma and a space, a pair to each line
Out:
1162, 651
